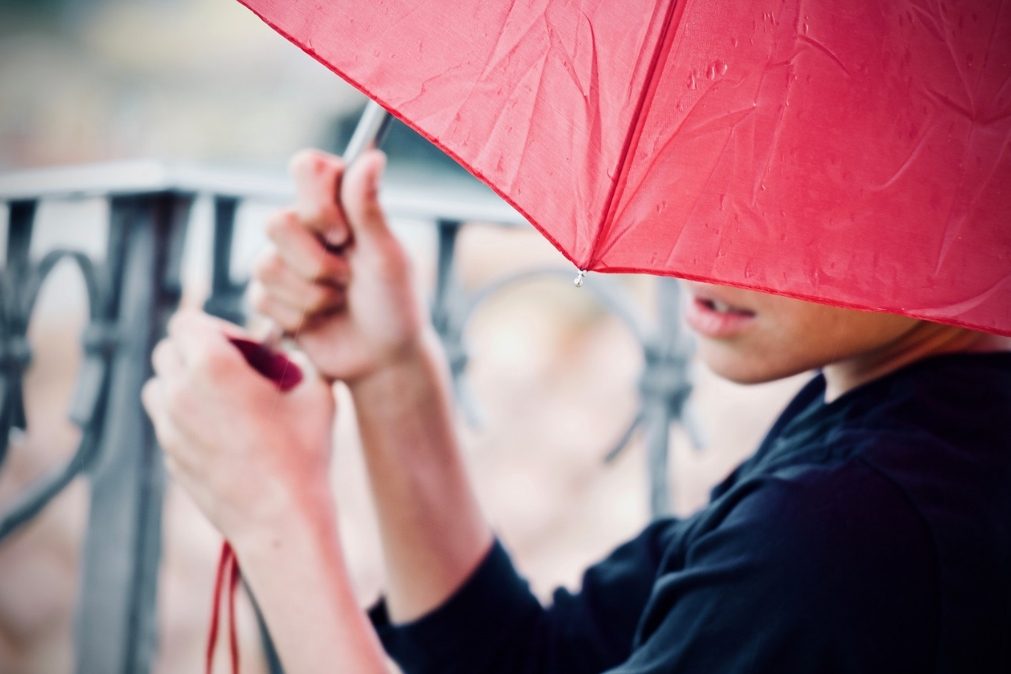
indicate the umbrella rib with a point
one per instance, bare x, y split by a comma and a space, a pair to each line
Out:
989, 44
634, 130
736, 115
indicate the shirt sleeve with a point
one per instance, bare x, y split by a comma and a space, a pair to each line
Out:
833, 572
493, 623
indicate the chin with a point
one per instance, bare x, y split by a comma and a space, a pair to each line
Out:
738, 367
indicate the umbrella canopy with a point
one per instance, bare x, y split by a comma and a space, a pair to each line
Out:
855, 153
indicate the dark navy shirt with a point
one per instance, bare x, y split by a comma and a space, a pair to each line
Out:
870, 534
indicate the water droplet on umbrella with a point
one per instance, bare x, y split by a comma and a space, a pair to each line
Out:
692, 82
716, 69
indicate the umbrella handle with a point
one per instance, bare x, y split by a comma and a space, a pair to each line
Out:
269, 362
370, 131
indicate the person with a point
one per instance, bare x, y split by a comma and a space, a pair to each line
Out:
870, 531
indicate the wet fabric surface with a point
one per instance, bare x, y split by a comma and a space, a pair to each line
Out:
854, 153
866, 535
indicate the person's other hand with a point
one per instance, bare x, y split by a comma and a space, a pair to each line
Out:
335, 277
251, 456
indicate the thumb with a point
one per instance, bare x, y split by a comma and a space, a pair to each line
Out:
317, 177
360, 195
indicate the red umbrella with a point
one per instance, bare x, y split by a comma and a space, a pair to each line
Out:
854, 153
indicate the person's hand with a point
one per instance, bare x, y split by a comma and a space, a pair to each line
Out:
335, 277
251, 456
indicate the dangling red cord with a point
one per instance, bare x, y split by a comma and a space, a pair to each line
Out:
278, 369
226, 580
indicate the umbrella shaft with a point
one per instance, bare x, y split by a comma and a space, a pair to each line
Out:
372, 127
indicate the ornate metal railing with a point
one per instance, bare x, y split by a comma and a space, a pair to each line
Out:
133, 289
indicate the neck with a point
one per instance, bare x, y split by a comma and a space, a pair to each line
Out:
921, 341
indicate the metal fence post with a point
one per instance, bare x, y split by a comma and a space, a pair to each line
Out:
665, 386
14, 351
116, 621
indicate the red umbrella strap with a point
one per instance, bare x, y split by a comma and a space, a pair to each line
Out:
233, 630
226, 579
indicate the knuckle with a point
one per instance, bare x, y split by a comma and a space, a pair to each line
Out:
394, 266
175, 321
268, 266
177, 401
321, 267
290, 321
279, 222
318, 299
203, 359
302, 160
258, 298
149, 396
158, 352
211, 363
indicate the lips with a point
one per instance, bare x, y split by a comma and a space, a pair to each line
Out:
712, 316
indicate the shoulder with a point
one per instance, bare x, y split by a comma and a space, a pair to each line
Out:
821, 508
842, 537
802, 570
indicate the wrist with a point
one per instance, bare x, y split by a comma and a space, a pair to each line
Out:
419, 362
292, 521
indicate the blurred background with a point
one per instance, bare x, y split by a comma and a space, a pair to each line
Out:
553, 376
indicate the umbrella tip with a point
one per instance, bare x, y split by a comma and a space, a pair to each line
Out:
579, 278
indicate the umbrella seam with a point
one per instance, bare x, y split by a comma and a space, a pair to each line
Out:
308, 49
634, 131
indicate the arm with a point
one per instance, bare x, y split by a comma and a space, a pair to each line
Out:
456, 606
826, 570
431, 527
299, 577
357, 316
256, 463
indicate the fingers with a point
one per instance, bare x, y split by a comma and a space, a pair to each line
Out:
291, 317
166, 359
170, 437
360, 194
201, 344
303, 252
317, 178
279, 293
274, 270
335, 203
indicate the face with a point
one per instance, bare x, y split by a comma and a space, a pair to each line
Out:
752, 337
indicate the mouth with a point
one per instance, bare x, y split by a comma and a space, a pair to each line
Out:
716, 318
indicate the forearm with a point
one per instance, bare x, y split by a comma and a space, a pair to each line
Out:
298, 575
432, 530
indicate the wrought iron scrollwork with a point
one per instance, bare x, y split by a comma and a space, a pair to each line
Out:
130, 294
22, 293
664, 385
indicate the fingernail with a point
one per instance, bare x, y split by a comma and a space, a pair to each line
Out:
336, 238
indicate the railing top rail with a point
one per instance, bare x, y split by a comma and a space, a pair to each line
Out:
406, 194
